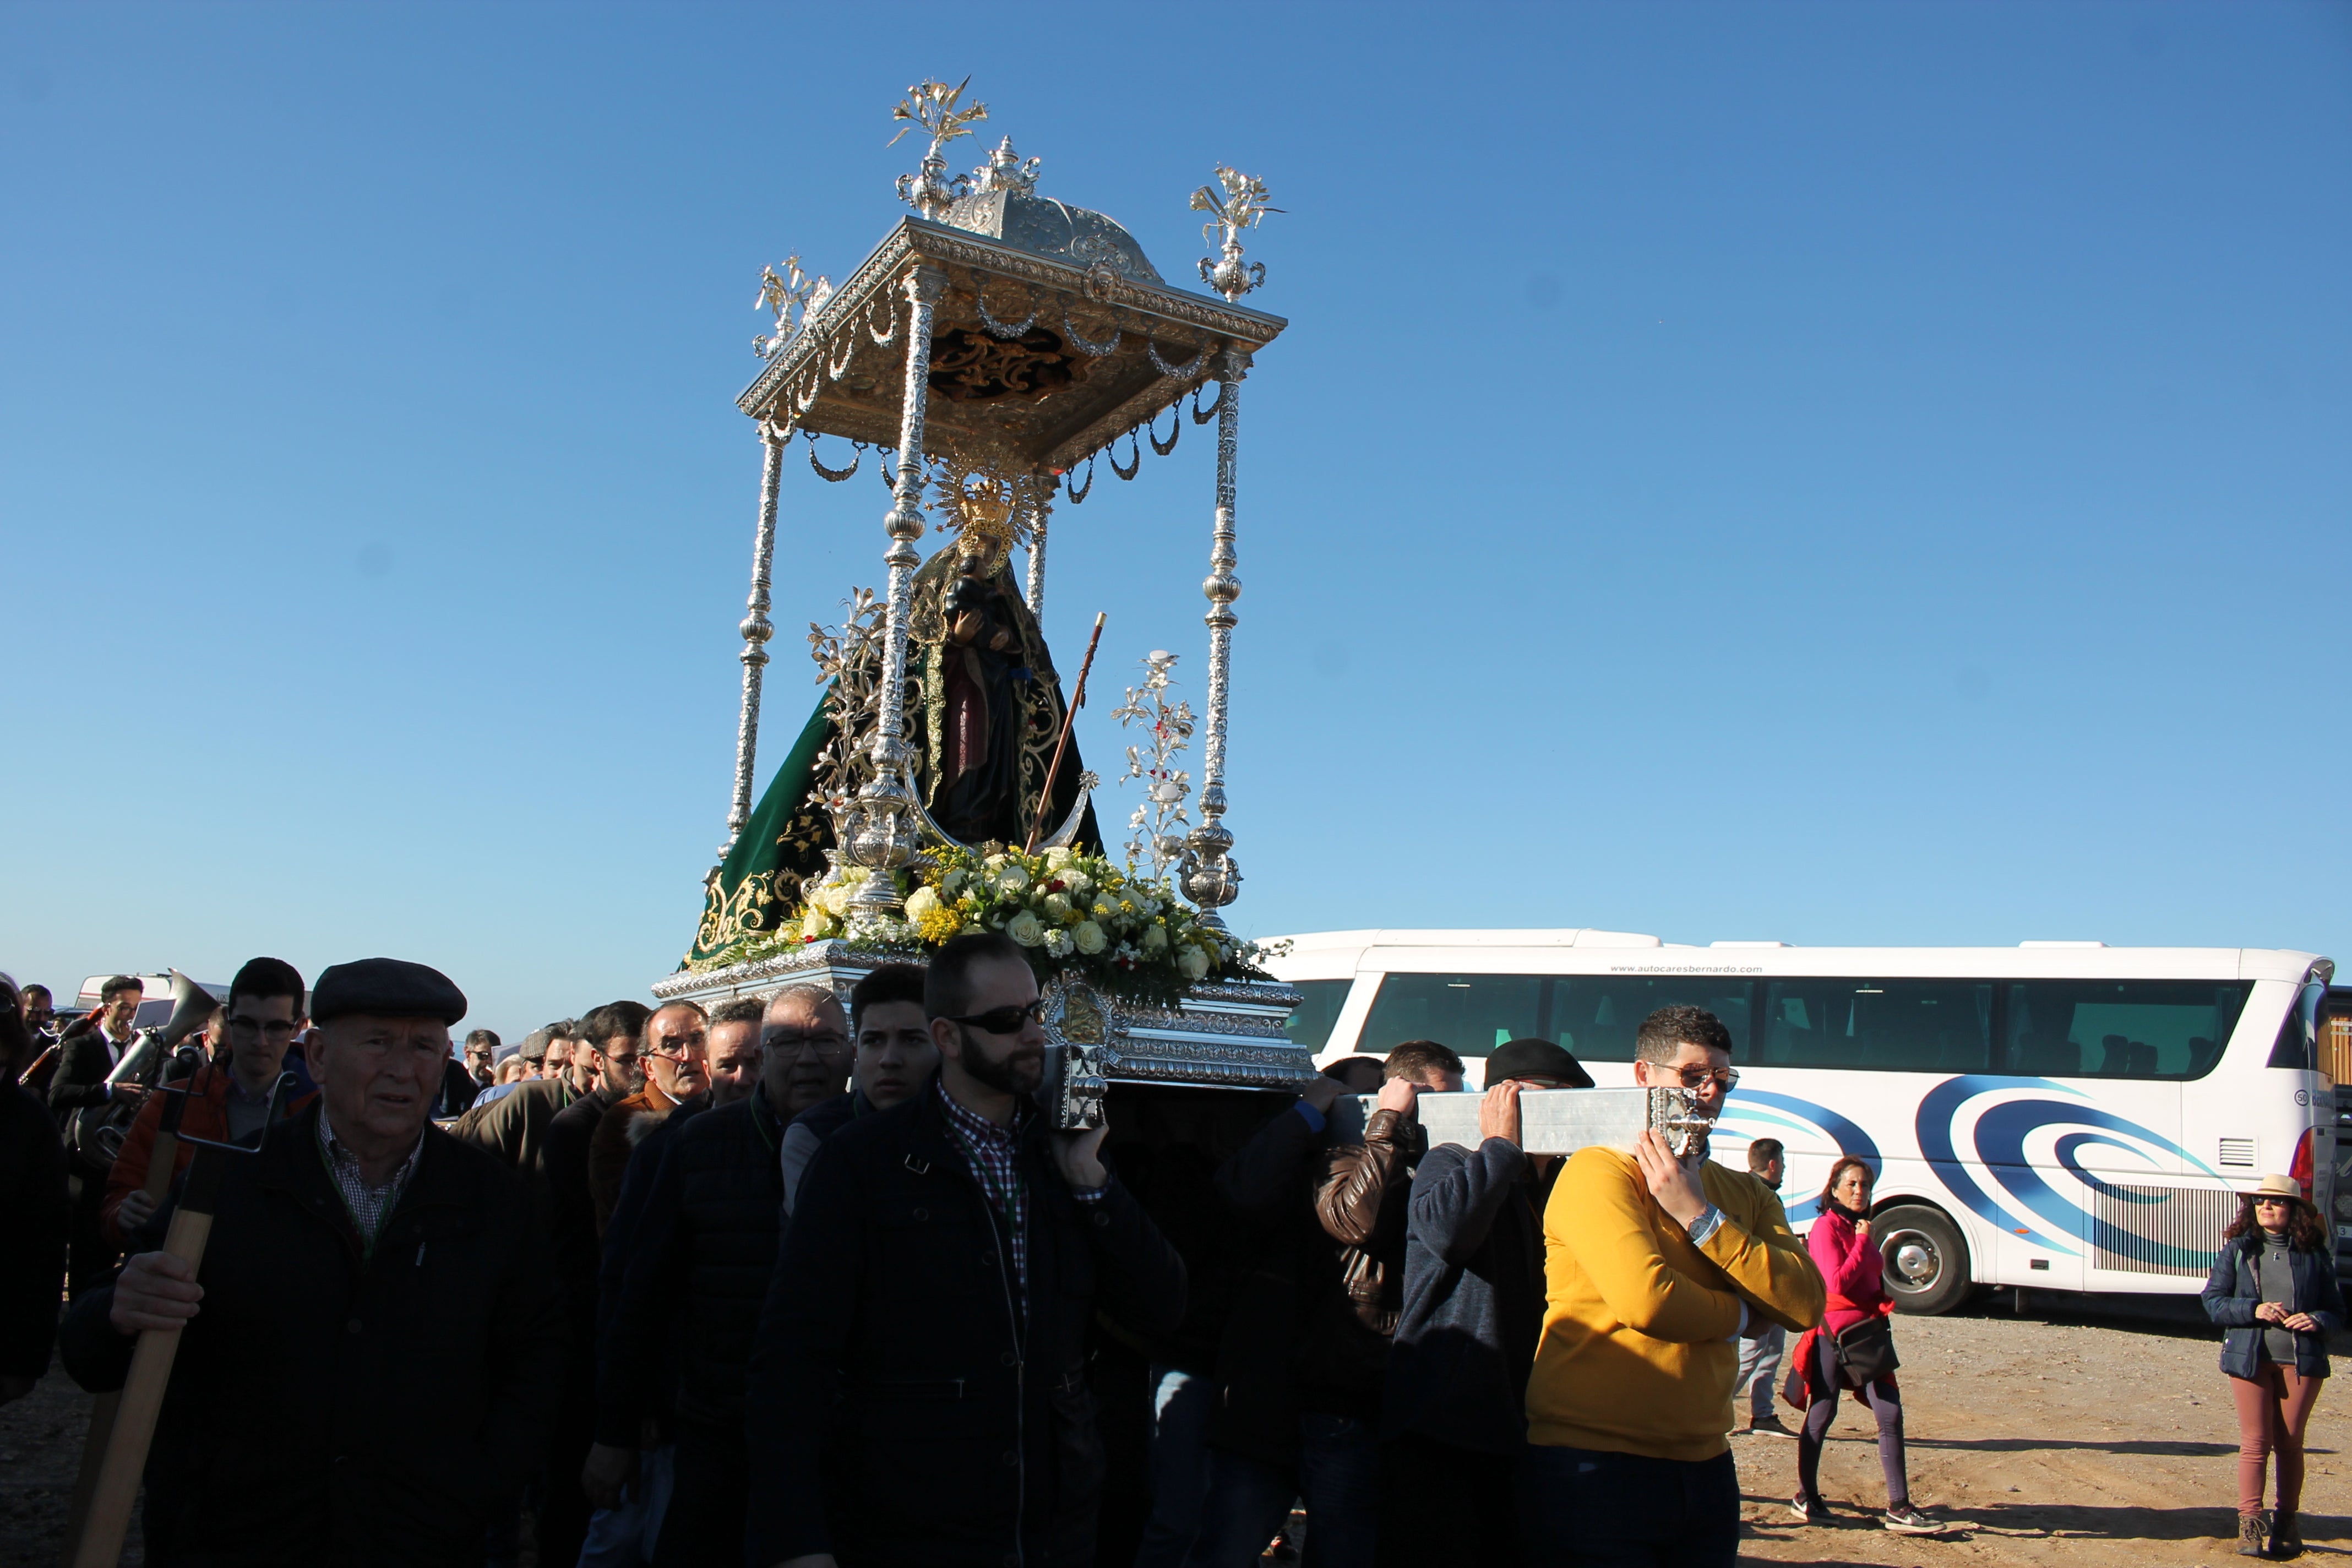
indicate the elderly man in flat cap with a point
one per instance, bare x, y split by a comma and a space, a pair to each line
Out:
372, 1338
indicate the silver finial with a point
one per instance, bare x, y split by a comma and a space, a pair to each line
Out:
1243, 206
931, 105
1006, 170
793, 294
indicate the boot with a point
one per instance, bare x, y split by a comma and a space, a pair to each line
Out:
2287, 1534
2250, 1535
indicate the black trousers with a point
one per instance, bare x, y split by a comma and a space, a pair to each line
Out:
1580, 1507
704, 1526
90, 1258
1446, 1506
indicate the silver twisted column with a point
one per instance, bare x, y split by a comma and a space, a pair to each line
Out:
878, 832
1211, 879
756, 629
1038, 512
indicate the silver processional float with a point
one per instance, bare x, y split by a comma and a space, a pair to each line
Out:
986, 357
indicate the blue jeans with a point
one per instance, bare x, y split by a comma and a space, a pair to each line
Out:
1338, 1478
1759, 1360
625, 1537
1583, 1509
1181, 1403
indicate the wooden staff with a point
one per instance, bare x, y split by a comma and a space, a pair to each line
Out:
1077, 701
159, 1162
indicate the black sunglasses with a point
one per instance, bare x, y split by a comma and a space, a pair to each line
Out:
1004, 1020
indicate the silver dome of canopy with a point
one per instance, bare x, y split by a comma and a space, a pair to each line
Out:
1048, 227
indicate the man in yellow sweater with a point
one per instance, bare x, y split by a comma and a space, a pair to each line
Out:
1652, 1267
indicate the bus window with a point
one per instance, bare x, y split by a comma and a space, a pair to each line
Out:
2108, 1028
1470, 1013
1883, 1025
1596, 1015
1318, 1010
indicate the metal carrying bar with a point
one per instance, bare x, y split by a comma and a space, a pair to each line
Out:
1551, 1120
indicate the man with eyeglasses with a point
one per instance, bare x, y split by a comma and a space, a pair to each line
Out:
893, 1057
702, 1248
263, 1014
374, 1328
918, 1390
671, 1052
1653, 1268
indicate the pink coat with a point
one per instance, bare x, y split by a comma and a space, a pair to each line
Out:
1850, 1264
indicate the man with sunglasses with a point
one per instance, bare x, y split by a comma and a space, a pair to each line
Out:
263, 1015
1653, 1268
918, 1386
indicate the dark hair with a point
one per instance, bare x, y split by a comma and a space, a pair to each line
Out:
564, 1029
2304, 1233
1415, 1059
46, 994
1828, 1199
602, 1024
117, 985
262, 978
1669, 1027
480, 1036
740, 1010
947, 980
888, 983
1762, 1153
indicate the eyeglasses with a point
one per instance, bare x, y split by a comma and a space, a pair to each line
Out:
1005, 1020
829, 1043
1695, 1079
254, 1028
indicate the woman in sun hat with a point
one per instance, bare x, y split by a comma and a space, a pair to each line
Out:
2273, 1290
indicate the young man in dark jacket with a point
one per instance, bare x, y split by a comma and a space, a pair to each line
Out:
918, 1394
891, 1059
1453, 1409
374, 1334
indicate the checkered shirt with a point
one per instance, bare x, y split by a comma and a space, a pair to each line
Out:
993, 1154
367, 1205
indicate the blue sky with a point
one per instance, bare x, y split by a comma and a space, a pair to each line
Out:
1845, 474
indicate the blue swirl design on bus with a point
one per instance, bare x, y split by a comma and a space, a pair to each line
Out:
1745, 1108
1998, 1145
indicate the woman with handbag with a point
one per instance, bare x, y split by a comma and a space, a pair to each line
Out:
2273, 1290
1854, 1349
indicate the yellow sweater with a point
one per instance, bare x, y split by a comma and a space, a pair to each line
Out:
1639, 1333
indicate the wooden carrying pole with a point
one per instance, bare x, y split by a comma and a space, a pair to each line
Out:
1077, 701
141, 1399
160, 1159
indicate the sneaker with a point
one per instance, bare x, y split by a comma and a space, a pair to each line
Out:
1909, 1521
1809, 1510
1768, 1426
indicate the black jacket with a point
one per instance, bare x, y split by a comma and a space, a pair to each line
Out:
699, 1254
83, 1063
571, 1211
2234, 1288
32, 1224
901, 1407
1473, 1299
331, 1408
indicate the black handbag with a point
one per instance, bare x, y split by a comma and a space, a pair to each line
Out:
1865, 1351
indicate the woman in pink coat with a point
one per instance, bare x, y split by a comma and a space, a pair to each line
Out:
1841, 1249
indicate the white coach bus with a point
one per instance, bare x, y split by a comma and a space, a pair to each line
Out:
2063, 1116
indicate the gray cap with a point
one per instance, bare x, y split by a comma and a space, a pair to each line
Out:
534, 1045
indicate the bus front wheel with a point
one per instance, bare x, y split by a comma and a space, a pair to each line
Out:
1925, 1258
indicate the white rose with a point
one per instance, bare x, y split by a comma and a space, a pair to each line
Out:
1088, 937
1024, 928
921, 903
1155, 940
1058, 857
1079, 883
1192, 962
1012, 879
814, 923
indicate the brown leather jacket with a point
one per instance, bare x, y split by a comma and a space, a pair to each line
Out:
1361, 1203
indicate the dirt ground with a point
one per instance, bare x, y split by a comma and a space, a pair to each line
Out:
2047, 1438
2050, 1439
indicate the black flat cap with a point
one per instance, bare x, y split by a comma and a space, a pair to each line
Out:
1535, 1058
387, 988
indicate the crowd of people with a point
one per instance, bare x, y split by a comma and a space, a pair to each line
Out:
782, 1283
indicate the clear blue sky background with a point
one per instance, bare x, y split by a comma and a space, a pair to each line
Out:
1846, 474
